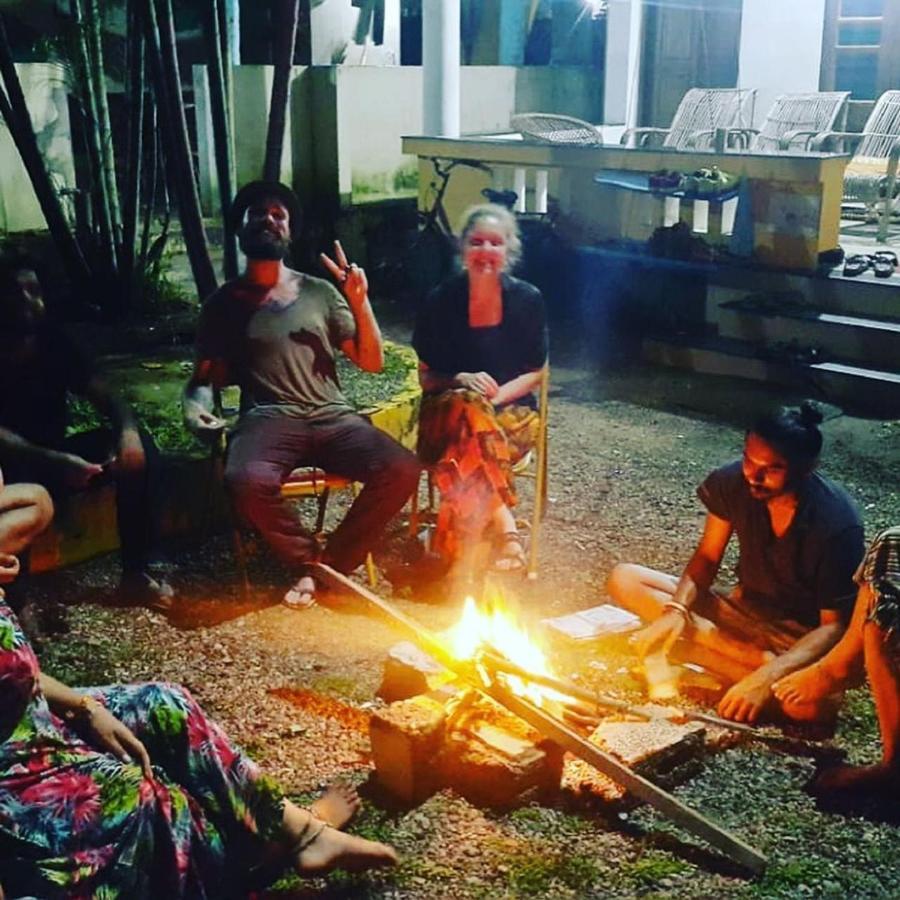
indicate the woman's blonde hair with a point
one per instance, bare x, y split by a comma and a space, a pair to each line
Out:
475, 214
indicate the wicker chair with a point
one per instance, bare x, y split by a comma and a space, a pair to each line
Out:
546, 128
700, 114
871, 175
796, 119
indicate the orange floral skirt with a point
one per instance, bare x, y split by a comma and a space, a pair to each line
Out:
470, 449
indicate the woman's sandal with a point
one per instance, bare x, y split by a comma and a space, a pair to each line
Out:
511, 557
856, 264
884, 262
300, 598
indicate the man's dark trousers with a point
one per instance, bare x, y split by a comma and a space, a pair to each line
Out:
266, 448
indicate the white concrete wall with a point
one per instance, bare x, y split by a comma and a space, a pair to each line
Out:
346, 121
781, 49
45, 95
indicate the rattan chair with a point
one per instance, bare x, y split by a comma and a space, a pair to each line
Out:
701, 113
546, 128
871, 176
796, 119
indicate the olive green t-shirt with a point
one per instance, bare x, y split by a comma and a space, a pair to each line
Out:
281, 352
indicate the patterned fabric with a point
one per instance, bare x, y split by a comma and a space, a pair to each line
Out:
880, 570
77, 823
471, 449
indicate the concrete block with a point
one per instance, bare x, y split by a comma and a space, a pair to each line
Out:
406, 738
410, 671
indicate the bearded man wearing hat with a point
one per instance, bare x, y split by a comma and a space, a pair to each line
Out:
276, 332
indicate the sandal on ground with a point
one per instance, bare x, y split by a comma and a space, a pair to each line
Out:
884, 262
511, 557
856, 264
299, 597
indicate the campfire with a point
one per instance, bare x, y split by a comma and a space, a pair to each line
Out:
479, 709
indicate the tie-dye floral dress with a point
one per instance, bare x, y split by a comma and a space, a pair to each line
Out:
77, 823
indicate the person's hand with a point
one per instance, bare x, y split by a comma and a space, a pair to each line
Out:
744, 701
480, 382
109, 734
350, 277
77, 472
131, 457
205, 426
662, 633
9, 567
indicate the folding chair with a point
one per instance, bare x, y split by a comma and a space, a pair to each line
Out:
532, 465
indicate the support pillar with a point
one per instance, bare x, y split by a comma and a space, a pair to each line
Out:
440, 64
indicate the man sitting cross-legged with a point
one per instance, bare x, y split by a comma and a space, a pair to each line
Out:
873, 637
800, 540
275, 332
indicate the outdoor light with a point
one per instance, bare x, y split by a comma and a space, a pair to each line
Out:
597, 8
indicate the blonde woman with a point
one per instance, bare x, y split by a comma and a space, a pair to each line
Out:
481, 338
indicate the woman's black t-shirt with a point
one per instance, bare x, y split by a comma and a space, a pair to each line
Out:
446, 343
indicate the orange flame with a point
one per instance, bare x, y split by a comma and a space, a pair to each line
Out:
498, 630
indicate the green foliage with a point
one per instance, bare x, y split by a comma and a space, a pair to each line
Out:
651, 867
83, 662
534, 873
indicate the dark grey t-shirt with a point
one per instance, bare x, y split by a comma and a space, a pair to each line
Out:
280, 352
811, 566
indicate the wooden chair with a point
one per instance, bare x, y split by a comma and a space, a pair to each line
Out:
532, 465
871, 175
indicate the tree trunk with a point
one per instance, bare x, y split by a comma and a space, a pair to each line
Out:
84, 67
104, 125
287, 14
15, 114
221, 133
134, 98
167, 83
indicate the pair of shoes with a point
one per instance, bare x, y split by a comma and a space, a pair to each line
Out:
882, 262
511, 553
142, 589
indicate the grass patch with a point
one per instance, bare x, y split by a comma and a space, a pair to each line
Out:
344, 687
85, 662
534, 872
651, 868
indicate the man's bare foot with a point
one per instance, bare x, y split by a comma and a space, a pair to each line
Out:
806, 685
881, 779
337, 806
302, 595
333, 849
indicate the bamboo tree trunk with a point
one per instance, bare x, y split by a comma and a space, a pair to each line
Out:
104, 124
15, 114
287, 16
99, 186
167, 83
221, 133
134, 97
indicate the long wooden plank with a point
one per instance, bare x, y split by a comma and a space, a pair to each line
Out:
557, 731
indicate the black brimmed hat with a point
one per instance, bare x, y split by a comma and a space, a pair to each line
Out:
253, 191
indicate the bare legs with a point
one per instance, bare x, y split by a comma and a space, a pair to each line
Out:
25, 511
863, 641
645, 591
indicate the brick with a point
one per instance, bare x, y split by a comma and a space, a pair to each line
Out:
409, 671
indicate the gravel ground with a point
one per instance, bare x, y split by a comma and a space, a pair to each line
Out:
294, 689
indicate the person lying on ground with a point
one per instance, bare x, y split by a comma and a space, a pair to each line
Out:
481, 338
131, 790
800, 540
275, 332
39, 367
873, 637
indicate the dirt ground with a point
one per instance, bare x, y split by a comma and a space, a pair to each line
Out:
627, 448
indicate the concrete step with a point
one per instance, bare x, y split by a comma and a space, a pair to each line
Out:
856, 389
851, 338
865, 295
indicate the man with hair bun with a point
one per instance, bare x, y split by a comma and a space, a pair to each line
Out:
800, 540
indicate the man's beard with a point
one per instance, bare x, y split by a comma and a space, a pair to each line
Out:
263, 244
